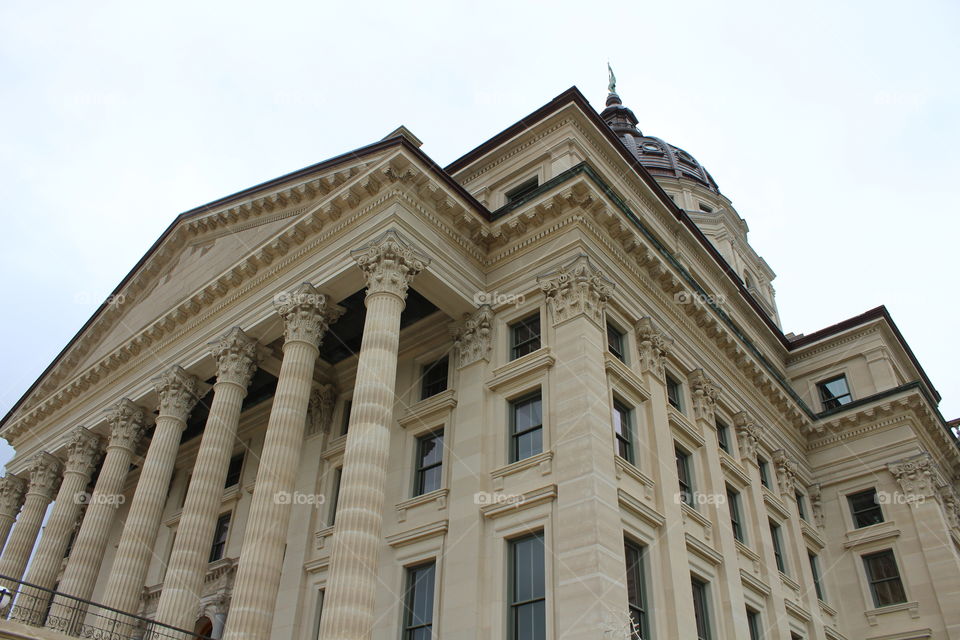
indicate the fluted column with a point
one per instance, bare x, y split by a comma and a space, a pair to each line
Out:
12, 489
390, 265
306, 314
126, 421
83, 453
236, 361
178, 391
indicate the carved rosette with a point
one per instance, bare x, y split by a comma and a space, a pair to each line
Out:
236, 355
786, 472
306, 313
748, 435
390, 264
178, 391
45, 474
320, 409
127, 424
474, 340
12, 490
576, 289
83, 451
704, 395
918, 477
654, 346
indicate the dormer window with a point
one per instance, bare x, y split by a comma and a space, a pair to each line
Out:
522, 190
834, 392
706, 208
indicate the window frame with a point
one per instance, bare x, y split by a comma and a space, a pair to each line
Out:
426, 384
674, 400
419, 469
763, 465
723, 435
855, 514
623, 443
872, 582
829, 402
685, 479
620, 352
736, 515
239, 470
701, 607
776, 536
219, 545
513, 605
345, 418
523, 322
514, 452
521, 190
332, 513
754, 624
801, 500
637, 603
817, 578
408, 631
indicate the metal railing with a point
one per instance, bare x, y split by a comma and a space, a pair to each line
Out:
37, 606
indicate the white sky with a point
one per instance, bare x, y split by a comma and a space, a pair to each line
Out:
832, 126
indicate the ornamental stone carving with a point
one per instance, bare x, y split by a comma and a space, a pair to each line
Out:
320, 409
474, 340
786, 472
653, 345
748, 435
918, 477
951, 506
816, 504
236, 355
390, 264
83, 451
127, 422
45, 474
306, 314
12, 490
179, 392
576, 289
704, 395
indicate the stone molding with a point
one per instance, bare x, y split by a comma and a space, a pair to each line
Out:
320, 409
83, 451
12, 492
918, 476
236, 356
654, 345
474, 340
127, 424
179, 393
390, 264
786, 473
575, 289
704, 394
306, 313
748, 436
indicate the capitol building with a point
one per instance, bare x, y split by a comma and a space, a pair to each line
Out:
542, 393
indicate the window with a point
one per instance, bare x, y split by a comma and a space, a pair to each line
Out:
674, 393
233, 471
706, 208
884, 578
815, 570
753, 624
764, 471
723, 436
332, 516
418, 603
801, 505
220, 537
615, 342
318, 613
834, 392
526, 427
736, 518
527, 611
701, 611
522, 190
623, 429
865, 508
777, 536
636, 590
429, 463
347, 410
525, 336
434, 378
684, 476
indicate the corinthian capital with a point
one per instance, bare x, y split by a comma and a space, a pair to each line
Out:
704, 395
12, 489
390, 264
306, 314
126, 421
320, 409
786, 472
918, 476
748, 435
654, 345
576, 289
178, 391
45, 474
236, 355
83, 451
474, 339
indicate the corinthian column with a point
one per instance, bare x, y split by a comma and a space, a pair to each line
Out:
84, 451
236, 361
390, 265
126, 422
178, 391
306, 314
12, 489
44, 478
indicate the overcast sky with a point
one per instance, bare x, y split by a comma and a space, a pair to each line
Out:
832, 126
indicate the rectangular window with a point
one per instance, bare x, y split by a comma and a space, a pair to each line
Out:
674, 394
332, 516
701, 610
615, 342
623, 429
418, 603
522, 190
434, 378
801, 505
636, 590
347, 410
834, 392
884, 578
723, 436
318, 614
526, 427
815, 570
777, 535
220, 537
684, 476
525, 336
764, 471
736, 518
865, 508
753, 624
527, 611
234, 470
429, 462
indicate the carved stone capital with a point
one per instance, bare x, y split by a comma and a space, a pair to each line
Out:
474, 340
786, 472
748, 435
390, 264
704, 395
127, 422
816, 504
576, 289
12, 490
654, 345
918, 476
178, 391
45, 474
83, 451
306, 314
320, 409
951, 506
236, 355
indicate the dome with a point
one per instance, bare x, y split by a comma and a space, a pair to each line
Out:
660, 158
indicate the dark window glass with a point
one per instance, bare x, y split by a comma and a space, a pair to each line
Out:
723, 435
527, 612
764, 471
815, 570
526, 427
623, 429
706, 208
736, 519
753, 624
636, 590
684, 476
434, 378
615, 342
673, 393
429, 462
336, 496
522, 190
777, 537
801, 505
865, 508
834, 393
220, 537
318, 615
347, 410
233, 471
418, 603
525, 336
884, 578
701, 610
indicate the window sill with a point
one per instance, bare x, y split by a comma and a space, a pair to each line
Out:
812, 535
320, 536
522, 367
874, 534
775, 504
913, 608
432, 410
438, 495
625, 467
543, 460
690, 433
625, 376
734, 470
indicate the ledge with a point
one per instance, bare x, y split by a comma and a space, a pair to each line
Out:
912, 607
653, 517
686, 428
774, 503
754, 583
526, 366
797, 611
440, 404
703, 550
747, 551
439, 496
625, 376
623, 467
413, 535
543, 460
320, 536
527, 500
811, 535
335, 447
696, 516
789, 582
733, 468
827, 609
870, 535
918, 634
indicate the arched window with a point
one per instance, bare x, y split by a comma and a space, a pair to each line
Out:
203, 628
748, 279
